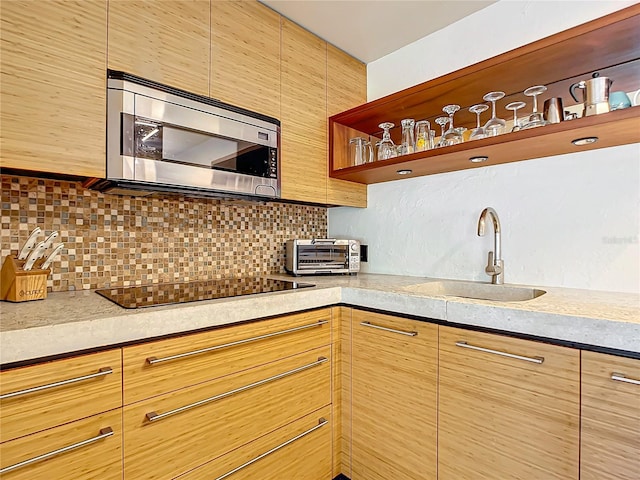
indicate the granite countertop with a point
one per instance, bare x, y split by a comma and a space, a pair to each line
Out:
72, 321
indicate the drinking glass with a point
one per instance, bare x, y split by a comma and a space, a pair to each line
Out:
515, 106
442, 121
494, 126
478, 132
452, 136
536, 119
424, 136
408, 139
386, 147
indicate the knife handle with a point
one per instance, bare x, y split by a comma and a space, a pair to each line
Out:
52, 256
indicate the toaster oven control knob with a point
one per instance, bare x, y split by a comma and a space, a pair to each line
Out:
354, 247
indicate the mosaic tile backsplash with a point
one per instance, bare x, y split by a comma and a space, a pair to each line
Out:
113, 240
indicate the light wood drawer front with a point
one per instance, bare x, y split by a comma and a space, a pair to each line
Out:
394, 398
143, 380
610, 418
300, 451
97, 452
177, 443
27, 413
505, 417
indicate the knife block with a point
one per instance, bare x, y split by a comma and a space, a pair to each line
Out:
17, 285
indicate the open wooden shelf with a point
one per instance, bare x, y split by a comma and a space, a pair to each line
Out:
608, 45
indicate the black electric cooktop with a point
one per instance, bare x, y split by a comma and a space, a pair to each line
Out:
168, 293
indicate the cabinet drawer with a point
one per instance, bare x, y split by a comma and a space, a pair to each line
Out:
167, 365
200, 423
42, 396
300, 450
83, 450
610, 418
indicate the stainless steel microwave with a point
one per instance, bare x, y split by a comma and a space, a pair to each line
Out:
163, 139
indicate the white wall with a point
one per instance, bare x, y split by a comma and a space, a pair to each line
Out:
571, 220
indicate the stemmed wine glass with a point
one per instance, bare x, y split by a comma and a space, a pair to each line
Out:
478, 132
442, 121
536, 119
386, 148
452, 136
494, 126
515, 106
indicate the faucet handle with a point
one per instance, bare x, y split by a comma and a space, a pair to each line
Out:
493, 268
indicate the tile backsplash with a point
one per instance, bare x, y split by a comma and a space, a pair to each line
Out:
113, 240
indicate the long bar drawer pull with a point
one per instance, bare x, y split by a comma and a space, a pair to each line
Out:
619, 377
154, 417
104, 433
321, 423
502, 354
100, 373
392, 330
154, 360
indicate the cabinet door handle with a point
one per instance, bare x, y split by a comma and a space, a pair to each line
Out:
104, 433
154, 360
620, 377
502, 354
154, 417
321, 423
386, 329
100, 373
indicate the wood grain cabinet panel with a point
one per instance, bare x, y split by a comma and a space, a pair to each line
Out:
53, 91
394, 398
101, 458
245, 55
505, 417
209, 428
167, 42
303, 114
98, 388
220, 352
610, 441
306, 457
346, 88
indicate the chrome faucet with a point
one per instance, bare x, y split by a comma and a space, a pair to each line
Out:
495, 265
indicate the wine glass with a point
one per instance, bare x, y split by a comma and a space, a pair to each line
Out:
386, 147
515, 106
452, 136
494, 126
478, 132
442, 121
536, 119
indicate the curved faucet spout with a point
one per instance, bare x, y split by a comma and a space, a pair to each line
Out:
495, 267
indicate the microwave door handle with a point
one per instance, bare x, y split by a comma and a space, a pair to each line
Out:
324, 240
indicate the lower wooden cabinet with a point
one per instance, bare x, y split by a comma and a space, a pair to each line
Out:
610, 448
394, 399
87, 449
508, 408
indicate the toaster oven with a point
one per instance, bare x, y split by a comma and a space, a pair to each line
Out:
322, 256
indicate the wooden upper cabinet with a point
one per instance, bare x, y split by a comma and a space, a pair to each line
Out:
346, 88
303, 115
508, 408
53, 93
245, 56
168, 42
610, 440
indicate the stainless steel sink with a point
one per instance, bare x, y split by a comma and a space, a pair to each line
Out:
478, 291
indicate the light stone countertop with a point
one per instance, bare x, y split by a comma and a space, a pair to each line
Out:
72, 321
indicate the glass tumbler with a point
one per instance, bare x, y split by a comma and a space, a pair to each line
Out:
424, 136
408, 144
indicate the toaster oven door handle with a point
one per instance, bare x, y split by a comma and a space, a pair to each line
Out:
323, 240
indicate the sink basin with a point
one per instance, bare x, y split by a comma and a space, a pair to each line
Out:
478, 291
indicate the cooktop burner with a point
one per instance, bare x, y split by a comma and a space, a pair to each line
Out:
168, 293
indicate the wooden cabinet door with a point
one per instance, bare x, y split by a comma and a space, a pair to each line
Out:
167, 42
508, 408
53, 94
245, 55
346, 88
303, 152
394, 395
610, 440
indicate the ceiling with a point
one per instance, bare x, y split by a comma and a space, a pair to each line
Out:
371, 29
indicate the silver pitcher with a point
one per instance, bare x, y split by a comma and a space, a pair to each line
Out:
595, 94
